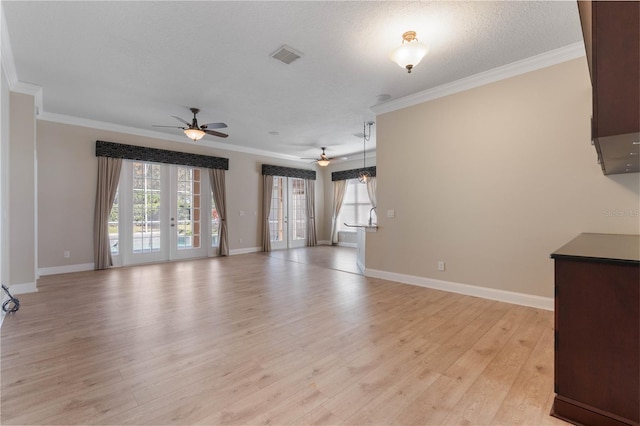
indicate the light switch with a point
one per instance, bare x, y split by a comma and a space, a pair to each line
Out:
391, 213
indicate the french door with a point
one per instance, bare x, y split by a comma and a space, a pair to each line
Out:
165, 212
288, 216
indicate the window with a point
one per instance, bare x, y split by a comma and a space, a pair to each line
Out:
114, 222
215, 224
355, 207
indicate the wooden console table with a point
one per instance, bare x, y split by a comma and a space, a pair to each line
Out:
597, 330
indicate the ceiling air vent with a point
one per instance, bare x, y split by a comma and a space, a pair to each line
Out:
286, 54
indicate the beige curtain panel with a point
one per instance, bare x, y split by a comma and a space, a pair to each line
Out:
108, 178
310, 190
218, 189
267, 192
339, 190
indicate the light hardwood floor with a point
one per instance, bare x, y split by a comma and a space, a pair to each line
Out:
259, 339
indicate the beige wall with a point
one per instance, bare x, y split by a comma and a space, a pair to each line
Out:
67, 182
21, 253
494, 179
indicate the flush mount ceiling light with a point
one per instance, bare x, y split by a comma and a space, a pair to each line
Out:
410, 53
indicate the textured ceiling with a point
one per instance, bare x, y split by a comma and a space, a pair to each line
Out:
138, 63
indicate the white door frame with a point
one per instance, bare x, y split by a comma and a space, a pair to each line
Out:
204, 222
169, 237
288, 240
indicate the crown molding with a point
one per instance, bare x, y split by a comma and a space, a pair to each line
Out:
543, 60
15, 85
30, 89
6, 52
9, 66
101, 125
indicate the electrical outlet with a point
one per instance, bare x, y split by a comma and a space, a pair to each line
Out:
391, 213
441, 265
67, 254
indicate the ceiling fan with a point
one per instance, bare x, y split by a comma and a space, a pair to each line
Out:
195, 132
323, 161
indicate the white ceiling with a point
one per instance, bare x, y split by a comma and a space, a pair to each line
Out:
136, 64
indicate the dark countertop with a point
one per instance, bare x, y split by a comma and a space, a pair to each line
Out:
602, 247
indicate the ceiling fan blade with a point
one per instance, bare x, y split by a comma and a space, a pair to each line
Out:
181, 120
214, 133
310, 158
213, 126
173, 127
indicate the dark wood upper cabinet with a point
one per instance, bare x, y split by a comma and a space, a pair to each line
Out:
611, 31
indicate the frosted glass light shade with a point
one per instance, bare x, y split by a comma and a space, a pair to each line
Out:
410, 53
323, 163
194, 134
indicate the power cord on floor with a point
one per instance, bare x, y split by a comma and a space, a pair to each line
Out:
12, 305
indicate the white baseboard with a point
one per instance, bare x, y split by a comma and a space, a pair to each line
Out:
245, 251
351, 245
15, 289
523, 299
53, 270
2, 300
324, 243
23, 288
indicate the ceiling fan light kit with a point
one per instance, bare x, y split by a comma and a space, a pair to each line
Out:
195, 132
323, 161
410, 52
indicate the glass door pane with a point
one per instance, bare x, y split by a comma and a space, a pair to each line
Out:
162, 218
186, 217
288, 216
278, 214
146, 232
297, 213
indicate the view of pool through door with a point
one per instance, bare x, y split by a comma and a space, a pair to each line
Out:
167, 214
288, 215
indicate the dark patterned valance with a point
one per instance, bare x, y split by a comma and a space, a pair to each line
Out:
288, 172
141, 153
352, 174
